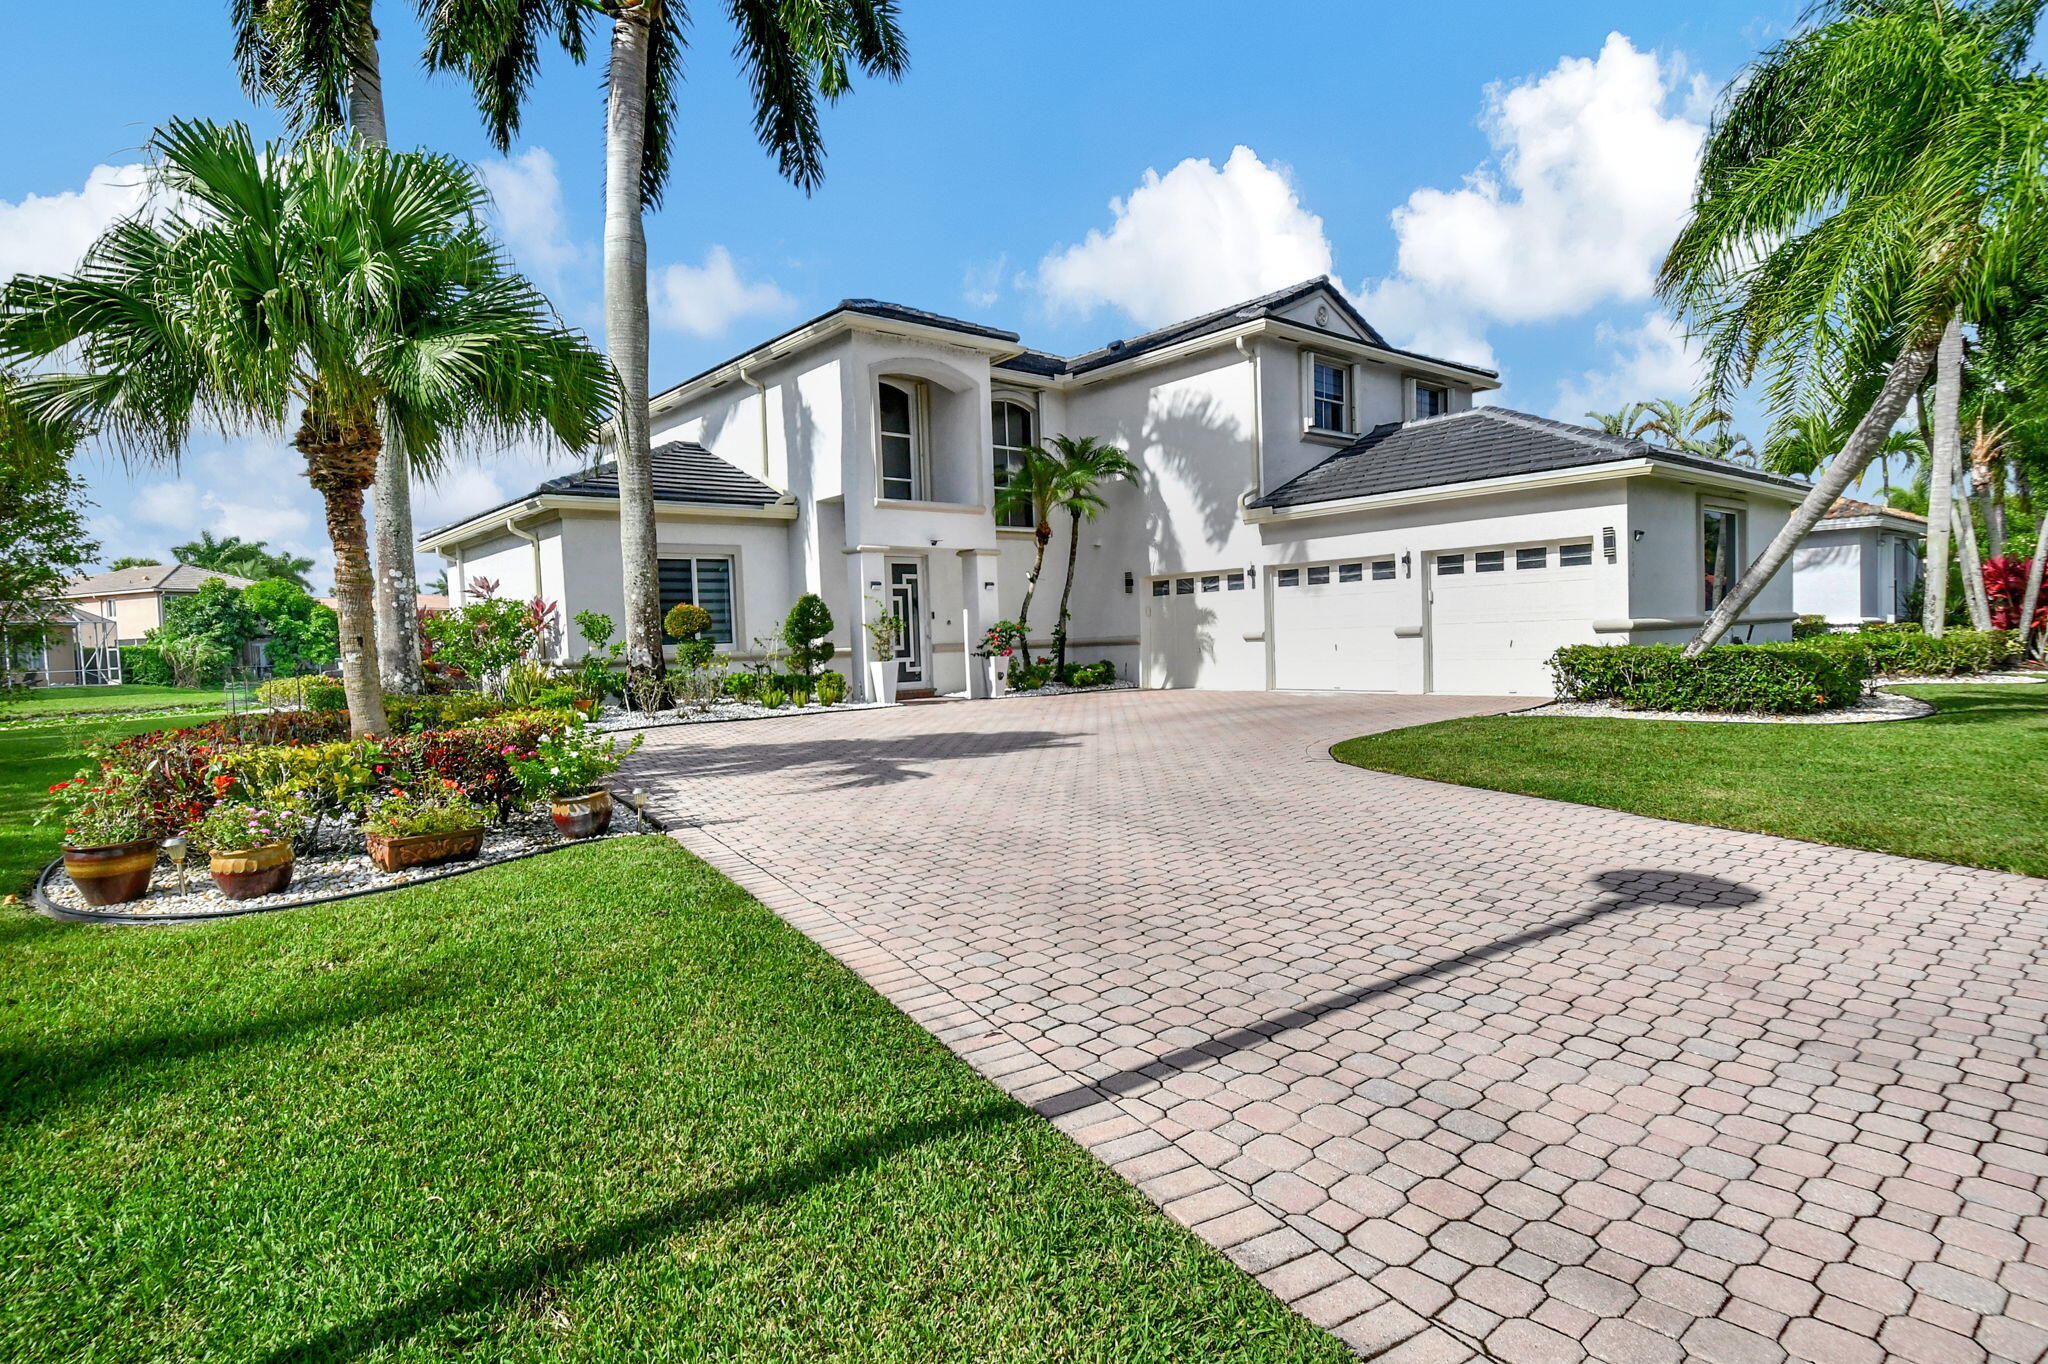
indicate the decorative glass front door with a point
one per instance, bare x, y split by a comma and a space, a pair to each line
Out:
906, 600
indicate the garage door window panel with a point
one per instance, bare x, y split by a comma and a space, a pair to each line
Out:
1490, 561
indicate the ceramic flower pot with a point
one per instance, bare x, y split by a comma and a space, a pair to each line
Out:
245, 873
112, 873
582, 816
423, 850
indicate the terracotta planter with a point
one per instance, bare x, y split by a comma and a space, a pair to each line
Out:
584, 704
112, 873
245, 873
584, 816
423, 850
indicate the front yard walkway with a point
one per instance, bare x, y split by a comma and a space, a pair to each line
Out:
1450, 1070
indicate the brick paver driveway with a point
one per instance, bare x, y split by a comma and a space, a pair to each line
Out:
1457, 1073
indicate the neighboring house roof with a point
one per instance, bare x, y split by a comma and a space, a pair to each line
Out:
1848, 509
150, 578
1470, 446
684, 471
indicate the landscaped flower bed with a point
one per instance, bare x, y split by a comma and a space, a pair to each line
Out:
287, 807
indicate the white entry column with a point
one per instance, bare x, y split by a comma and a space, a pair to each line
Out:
978, 599
867, 590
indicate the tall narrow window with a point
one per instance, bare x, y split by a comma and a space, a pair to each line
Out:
902, 437
1431, 401
702, 582
1722, 529
1014, 435
1332, 392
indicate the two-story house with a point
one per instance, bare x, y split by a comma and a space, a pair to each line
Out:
1316, 509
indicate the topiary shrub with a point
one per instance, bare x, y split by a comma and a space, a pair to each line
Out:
1771, 679
804, 632
686, 621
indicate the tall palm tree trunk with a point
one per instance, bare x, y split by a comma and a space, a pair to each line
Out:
1044, 537
625, 326
366, 93
2032, 600
1971, 562
1944, 454
341, 461
1066, 594
1842, 471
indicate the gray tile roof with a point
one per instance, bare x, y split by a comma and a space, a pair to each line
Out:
150, 578
1266, 305
683, 472
1482, 443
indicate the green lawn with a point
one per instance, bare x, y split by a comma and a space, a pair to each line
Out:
595, 1106
31, 758
1963, 785
45, 703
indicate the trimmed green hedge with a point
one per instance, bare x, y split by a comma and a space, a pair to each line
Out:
143, 665
1905, 651
1774, 679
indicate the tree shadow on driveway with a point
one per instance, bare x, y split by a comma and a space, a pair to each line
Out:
1620, 890
837, 764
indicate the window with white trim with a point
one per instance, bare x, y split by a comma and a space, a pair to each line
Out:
1329, 394
1449, 565
1533, 556
1431, 400
1382, 570
1490, 561
1161, 587
901, 423
1234, 582
1184, 587
705, 581
1350, 573
1287, 577
1575, 556
1014, 425
1212, 582
1319, 575
1721, 540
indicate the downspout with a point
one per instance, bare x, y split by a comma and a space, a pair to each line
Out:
1258, 425
761, 390
533, 543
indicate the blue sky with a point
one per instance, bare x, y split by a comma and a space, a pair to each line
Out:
1492, 181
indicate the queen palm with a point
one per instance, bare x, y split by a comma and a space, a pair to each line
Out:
333, 277
1086, 466
317, 61
793, 53
1032, 492
1866, 179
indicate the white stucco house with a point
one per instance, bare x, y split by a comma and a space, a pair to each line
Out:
1861, 562
1317, 509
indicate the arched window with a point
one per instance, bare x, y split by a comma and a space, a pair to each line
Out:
901, 419
1015, 431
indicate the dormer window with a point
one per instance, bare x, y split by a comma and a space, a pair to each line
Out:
1431, 400
1329, 394
902, 423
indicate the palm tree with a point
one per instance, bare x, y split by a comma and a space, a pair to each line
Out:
244, 558
1033, 491
1625, 422
317, 61
1085, 467
793, 54
1865, 179
350, 282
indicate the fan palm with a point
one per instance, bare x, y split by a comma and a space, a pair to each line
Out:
336, 277
1032, 492
1865, 179
1086, 466
317, 61
794, 53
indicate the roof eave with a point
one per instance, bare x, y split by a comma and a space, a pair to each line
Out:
1483, 487
782, 509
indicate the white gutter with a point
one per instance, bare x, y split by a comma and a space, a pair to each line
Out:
1585, 473
1258, 421
783, 509
761, 393
533, 541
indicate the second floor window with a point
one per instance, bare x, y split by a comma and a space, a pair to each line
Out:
1431, 401
1330, 386
901, 421
1013, 435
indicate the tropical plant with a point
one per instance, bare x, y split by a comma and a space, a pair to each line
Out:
568, 764
597, 672
483, 639
687, 623
433, 807
805, 632
100, 806
1865, 179
233, 825
43, 540
252, 559
215, 613
133, 561
793, 54
831, 688
301, 635
194, 660
1032, 491
354, 283
1087, 466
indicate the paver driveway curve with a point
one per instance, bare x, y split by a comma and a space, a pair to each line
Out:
1457, 1073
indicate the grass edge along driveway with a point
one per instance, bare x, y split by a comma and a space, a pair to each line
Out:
596, 1105
1962, 785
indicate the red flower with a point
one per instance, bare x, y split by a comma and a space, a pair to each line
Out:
222, 781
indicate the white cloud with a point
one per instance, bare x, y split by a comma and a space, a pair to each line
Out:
1592, 177
981, 285
526, 197
705, 300
46, 234
1191, 240
1653, 360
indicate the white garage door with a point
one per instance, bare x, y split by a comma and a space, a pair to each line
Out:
1194, 633
1496, 616
1333, 625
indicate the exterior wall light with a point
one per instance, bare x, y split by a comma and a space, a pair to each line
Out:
1252, 573
1407, 564
1636, 535
1130, 583
1607, 542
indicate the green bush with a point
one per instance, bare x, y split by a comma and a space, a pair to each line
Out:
412, 714
309, 691
1892, 651
1806, 627
685, 621
831, 688
742, 686
773, 697
1772, 679
144, 666
1030, 676
804, 633
1089, 674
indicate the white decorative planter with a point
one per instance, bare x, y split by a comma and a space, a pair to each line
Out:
882, 681
998, 676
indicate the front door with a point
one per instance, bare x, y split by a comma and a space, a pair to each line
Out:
906, 599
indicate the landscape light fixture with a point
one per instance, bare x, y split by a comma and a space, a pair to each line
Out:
175, 848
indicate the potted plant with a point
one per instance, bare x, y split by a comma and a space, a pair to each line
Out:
425, 827
248, 848
107, 848
885, 632
564, 770
998, 649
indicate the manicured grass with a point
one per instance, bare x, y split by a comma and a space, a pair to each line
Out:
31, 758
599, 1105
43, 703
1963, 785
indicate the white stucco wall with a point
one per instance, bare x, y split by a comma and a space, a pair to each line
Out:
1663, 543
